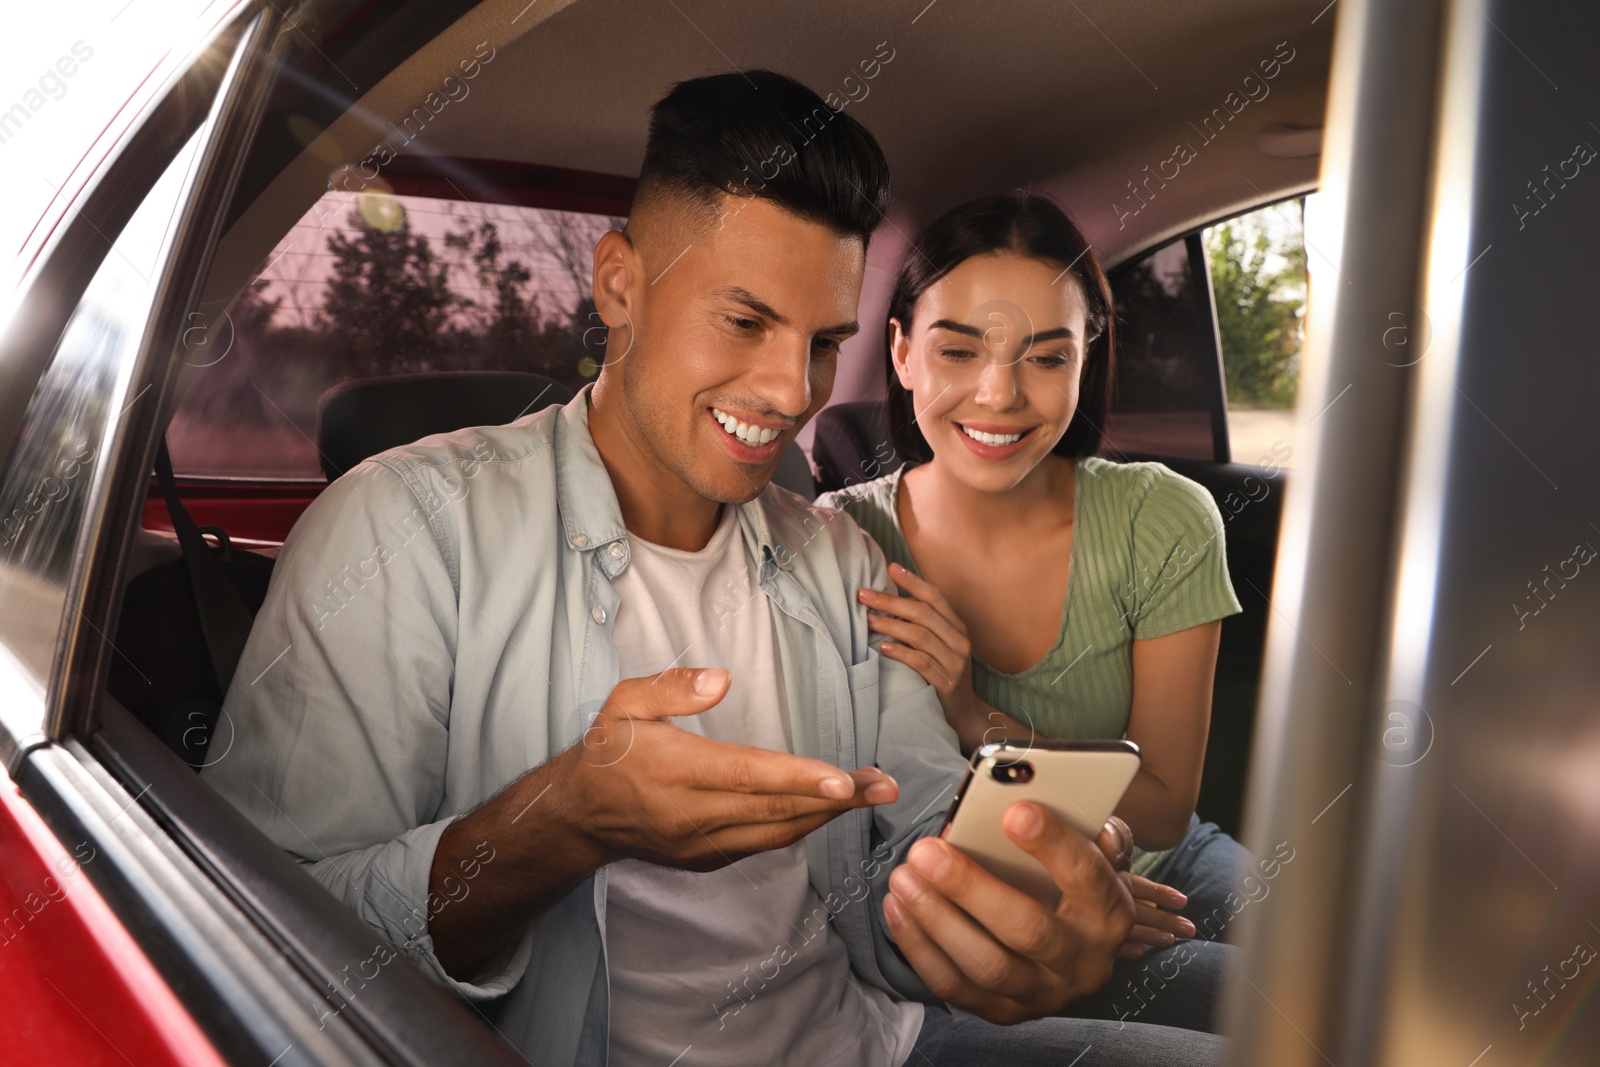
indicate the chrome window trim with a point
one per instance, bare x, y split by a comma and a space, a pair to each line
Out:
119, 486
47, 293
53, 288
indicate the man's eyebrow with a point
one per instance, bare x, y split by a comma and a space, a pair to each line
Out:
973, 331
766, 310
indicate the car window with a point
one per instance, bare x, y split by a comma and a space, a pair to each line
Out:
1258, 281
1165, 399
66, 79
376, 282
44, 492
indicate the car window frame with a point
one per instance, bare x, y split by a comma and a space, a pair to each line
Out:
1217, 382
53, 286
467, 180
226, 915
1216, 400
1221, 446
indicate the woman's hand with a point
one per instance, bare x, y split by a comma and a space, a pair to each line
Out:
928, 636
1154, 926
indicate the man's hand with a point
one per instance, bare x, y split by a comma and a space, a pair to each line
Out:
636, 787
995, 951
645, 789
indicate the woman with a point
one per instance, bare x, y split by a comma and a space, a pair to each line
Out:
1044, 591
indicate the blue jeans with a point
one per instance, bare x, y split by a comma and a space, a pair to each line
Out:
949, 1040
1176, 987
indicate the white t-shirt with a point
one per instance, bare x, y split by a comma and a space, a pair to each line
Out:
739, 965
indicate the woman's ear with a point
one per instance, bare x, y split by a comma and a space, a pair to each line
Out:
900, 352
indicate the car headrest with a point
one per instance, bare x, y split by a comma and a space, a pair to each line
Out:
365, 416
852, 444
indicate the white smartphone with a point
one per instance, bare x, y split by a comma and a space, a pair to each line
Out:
1079, 781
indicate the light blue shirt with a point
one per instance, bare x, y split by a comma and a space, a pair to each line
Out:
439, 622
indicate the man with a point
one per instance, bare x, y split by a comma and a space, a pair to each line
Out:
563, 706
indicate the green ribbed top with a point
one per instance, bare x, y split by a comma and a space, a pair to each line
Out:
1148, 560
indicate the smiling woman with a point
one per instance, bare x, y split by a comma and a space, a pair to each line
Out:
1046, 591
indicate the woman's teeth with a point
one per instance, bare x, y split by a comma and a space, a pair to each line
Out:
995, 439
754, 436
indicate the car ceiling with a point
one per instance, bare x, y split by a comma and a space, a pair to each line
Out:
1076, 97
1072, 97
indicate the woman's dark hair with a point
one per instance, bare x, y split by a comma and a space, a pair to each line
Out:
757, 133
1026, 224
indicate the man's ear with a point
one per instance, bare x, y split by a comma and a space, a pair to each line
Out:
616, 268
900, 352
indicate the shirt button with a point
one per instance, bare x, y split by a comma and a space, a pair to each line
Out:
616, 550
580, 540
599, 615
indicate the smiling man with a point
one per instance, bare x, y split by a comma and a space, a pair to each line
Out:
613, 751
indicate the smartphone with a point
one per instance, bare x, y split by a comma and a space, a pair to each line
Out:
1079, 781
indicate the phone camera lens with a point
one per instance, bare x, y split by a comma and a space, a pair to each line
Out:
1018, 773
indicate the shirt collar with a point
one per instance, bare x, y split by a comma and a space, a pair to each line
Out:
590, 515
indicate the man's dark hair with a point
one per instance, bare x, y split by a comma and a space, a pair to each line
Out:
1026, 224
757, 133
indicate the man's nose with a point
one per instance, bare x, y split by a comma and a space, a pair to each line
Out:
784, 379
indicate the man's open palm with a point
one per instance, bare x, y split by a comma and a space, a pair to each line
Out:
651, 790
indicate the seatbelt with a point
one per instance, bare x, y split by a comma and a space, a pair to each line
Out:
224, 619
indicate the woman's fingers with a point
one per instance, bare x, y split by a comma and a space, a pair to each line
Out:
938, 618
1152, 923
1162, 896
929, 656
1145, 934
918, 661
1150, 914
925, 590
1164, 922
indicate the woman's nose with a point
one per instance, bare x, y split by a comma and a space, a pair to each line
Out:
997, 381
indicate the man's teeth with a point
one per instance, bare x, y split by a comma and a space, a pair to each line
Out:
992, 438
755, 436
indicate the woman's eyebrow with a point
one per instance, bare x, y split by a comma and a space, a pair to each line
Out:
1050, 335
744, 296
973, 331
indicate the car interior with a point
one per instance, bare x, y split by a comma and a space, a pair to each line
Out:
507, 135
521, 143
